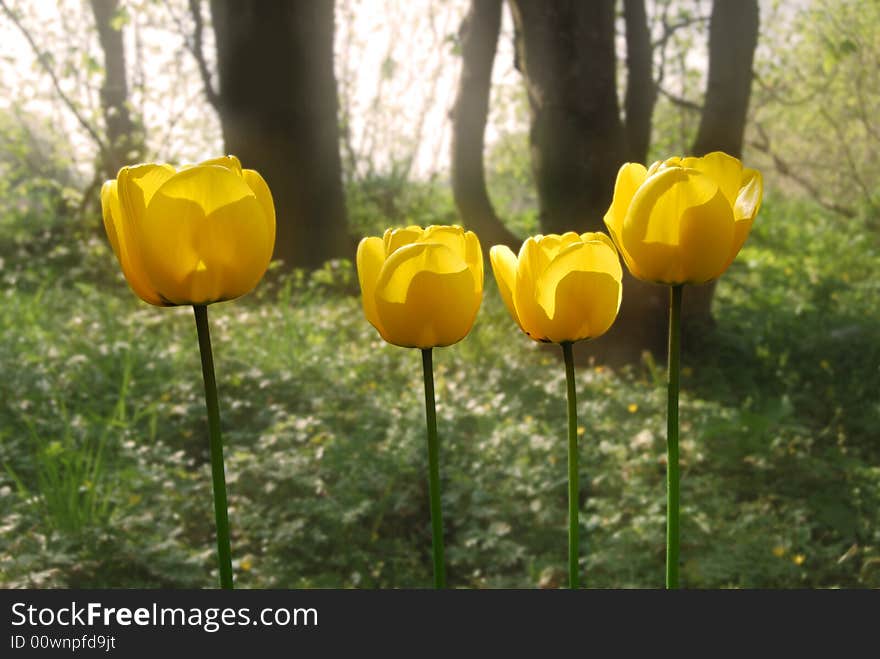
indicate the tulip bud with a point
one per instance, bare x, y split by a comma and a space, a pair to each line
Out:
683, 220
199, 235
560, 288
421, 288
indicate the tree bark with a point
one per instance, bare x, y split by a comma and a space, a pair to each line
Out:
278, 110
641, 91
565, 50
125, 137
733, 36
479, 41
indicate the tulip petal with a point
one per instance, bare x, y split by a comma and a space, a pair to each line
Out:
205, 237
465, 243
111, 215
749, 196
679, 227
748, 202
531, 263
629, 178
397, 238
401, 266
451, 236
532, 258
137, 185
127, 253
261, 190
473, 256
504, 267
231, 163
425, 296
654, 168
370, 258
725, 170
580, 292
592, 236
549, 245
707, 232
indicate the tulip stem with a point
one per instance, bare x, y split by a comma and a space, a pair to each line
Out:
573, 485
224, 553
672, 470
434, 472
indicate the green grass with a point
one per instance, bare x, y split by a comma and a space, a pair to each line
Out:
103, 438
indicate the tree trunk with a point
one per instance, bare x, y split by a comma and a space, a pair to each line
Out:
278, 109
733, 36
125, 138
565, 50
641, 92
479, 40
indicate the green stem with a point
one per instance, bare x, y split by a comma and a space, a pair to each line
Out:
573, 494
224, 553
672, 473
434, 472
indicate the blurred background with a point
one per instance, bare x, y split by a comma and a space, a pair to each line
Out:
511, 118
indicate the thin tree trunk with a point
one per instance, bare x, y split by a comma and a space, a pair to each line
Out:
279, 113
479, 40
565, 50
641, 92
733, 36
125, 138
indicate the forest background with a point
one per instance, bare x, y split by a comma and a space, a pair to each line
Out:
510, 118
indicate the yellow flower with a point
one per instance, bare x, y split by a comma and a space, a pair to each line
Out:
201, 234
798, 559
560, 288
683, 220
633, 408
421, 288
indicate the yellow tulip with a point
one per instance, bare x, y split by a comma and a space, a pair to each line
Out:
561, 288
683, 220
197, 235
421, 288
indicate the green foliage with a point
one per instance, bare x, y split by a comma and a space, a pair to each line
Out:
379, 201
37, 185
509, 179
71, 489
325, 438
511, 185
815, 104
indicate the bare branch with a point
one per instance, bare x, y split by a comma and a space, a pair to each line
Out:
763, 145
679, 101
787, 99
847, 153
56, 83
670, 30
196, 47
